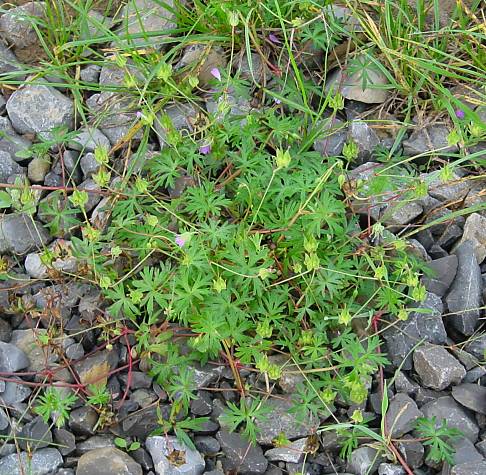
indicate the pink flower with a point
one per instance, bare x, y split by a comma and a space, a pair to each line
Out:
273, 39
460, 114
139, 115
179, 240
205, 149
215, 73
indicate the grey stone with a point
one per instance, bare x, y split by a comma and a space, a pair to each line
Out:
12, 358
445, 408
38, 169
475, 231
13, 143
138, 380
3, 103
149, 21
203, 405
4, 420
450, 236
14, 393
428, 140
9, 167
95, 368
28, 341
143, 397
293, 452
182, 115
412, 450
74, 351
331, 139
283, 420
142, 457
436, 252
402, 337
66, 441
9, 63
366, 139
89, 165
240, 455
91, 187
436, 367
82, 420
476, 345
464, 451
41, 462
350, 84
481, 446
390, 469
471, 396
17, 24
65, 471
453, 190
203, 376
37, 108
417, 249
87, 139
207, 445
464, 297
364, 461
107, 461
160, 448
444, 270
35, 434
143, 422
256, 72
90, 73
403, 384
96, 442
401, 415
469, 468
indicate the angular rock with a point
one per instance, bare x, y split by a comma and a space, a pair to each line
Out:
453, 190
403, 336
66, 441
37, 108
464, 297
16, 25
477, 346
29, 342
102, 441
331, 140
412, 450
240, 455
35, 434
143, 422
207, 445
464, 451
282, 420
107, 461
14, 393
4, 420
471, 396
180, 116
40, 462
401, 415
88, 138
445, 408
364, 461
390, 469
9, 63
9, 167
436, 367
426, 140
403, 384
148, 21
475, 231
163, 450
95, 368
12, 358
82, 421
366, 139
293, 452
469, 468
203, 405
444, 270
350, 84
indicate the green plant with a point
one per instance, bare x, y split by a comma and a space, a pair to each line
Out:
55, 404
438, 438
98, 395
123, 444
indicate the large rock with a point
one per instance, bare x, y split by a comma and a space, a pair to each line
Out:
107, 461
426, 140
352, 85
443, 273
240, 455
17, 24
293, 452
475, 231
171, 457
426, 323
469, 468
9, 167
471, 396
453, 190
436, 367
88, 138
445, 408
29, 342
181, 115
37, 108
364, 461
40, 462
35, 434
8, 62
365, 137
401, 415
12, 358
464, 297
331, 139
282, 420
147, 22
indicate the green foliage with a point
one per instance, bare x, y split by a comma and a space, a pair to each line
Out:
98, 395
123, 444
438, 438
55, 404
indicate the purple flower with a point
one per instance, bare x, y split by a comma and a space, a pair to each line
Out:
179, 240
273, 39
205, 149
215, 72
139, 115
460, 114
277, 101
